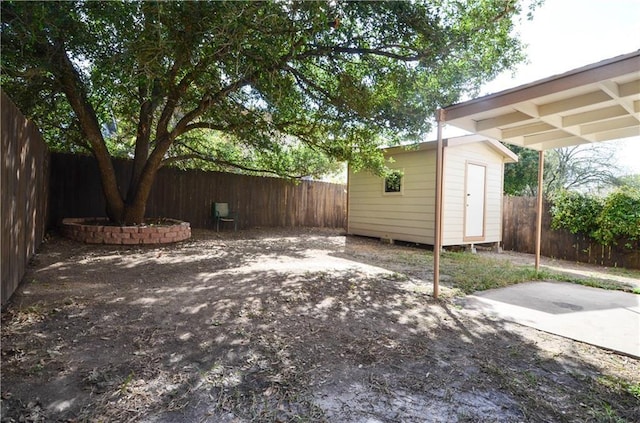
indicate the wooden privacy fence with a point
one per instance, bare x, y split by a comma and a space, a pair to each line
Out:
24, 192
187, 195
519, 223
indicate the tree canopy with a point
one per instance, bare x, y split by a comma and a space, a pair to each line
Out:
281, 86
581, 168
521, 178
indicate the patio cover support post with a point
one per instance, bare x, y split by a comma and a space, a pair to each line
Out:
539, 214
437, 242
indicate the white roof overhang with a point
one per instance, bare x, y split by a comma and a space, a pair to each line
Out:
508, 155
598, 102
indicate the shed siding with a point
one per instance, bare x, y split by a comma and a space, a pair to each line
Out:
456, 159
410, 216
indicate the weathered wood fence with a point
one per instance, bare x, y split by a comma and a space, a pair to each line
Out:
187, 195
24, 194
519, 222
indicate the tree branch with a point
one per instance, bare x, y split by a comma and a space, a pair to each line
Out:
195, 154
302, 79
322, 50
205, 125
205, 103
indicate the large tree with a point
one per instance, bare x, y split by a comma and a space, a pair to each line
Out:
577, 168
152, 78
582, 167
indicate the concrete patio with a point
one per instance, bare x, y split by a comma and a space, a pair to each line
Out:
607, 319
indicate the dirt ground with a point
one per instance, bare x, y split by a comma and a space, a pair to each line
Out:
282, 326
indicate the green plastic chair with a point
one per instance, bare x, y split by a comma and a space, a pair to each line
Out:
221, 213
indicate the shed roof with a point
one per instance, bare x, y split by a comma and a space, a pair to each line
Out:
598, 102
509, 156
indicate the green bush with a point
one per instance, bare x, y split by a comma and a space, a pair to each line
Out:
576, 212
620, 217
606, 220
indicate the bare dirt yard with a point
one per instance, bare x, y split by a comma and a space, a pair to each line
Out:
282, 326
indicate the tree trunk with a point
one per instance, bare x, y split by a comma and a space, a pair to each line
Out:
135, 207
142, 148
73, 88
134, 213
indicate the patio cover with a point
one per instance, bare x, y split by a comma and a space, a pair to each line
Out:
598, 102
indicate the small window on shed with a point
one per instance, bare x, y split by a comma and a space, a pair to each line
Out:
393, 182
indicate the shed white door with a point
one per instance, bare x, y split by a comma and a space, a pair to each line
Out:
474, 210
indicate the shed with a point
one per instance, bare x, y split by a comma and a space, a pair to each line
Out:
402, 207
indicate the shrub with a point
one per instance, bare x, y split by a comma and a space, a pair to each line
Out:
620, 216
576, 212
605, 220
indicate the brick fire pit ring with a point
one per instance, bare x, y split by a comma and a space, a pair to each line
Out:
100, 231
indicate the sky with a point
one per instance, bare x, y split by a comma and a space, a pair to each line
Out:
568, 34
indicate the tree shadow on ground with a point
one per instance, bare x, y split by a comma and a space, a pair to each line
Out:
272, 326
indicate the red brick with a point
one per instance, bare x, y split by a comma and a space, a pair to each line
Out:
130, 241
111, 235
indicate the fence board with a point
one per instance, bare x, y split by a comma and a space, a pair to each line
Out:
519, 219
187, 195
24, 191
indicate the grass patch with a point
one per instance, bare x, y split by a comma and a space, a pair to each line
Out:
591, 281
415, 258
620, 385
606, 414
472, 272
627, 273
